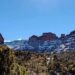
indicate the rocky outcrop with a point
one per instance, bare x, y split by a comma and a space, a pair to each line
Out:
33, 38
47, 42
1, 39
72, 33
48, 37
45, 37
63, 37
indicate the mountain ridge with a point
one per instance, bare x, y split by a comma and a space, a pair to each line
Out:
47, 42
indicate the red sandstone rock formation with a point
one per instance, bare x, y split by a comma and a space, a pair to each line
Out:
45, 37
48, 36
1, 39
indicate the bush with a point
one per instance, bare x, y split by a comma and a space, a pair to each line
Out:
8, 63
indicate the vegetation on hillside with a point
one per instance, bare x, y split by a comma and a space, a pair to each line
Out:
8, 63
30, 63
48, 64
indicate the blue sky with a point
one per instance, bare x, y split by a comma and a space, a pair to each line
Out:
23, 18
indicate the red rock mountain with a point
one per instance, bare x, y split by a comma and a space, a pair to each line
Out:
48, 36
45, 37
1, 39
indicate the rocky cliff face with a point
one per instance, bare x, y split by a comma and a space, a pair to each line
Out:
1, 39
34, 38
72, 33
46, 42
45, 37
37, 41
48, 36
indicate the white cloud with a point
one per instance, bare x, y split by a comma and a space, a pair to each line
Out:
7, 41
19, 39
13, 40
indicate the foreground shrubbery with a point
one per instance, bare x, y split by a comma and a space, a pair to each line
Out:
8, 63
61, 67
29, 63
59, 64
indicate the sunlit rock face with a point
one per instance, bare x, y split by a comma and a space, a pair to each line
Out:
48, 36
37, 41
44, 37
1, 39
